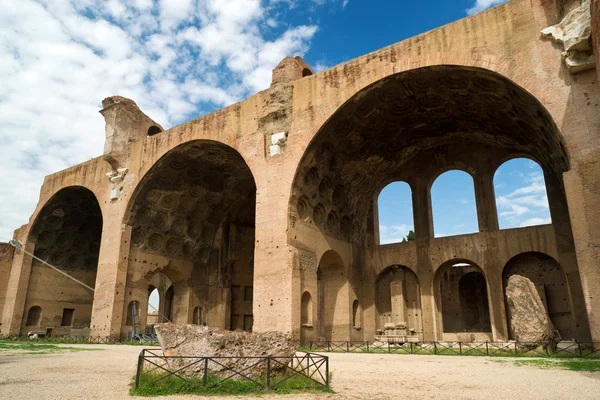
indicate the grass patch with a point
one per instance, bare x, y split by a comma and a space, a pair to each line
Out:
37, 348
66, 340
173, 385
478, 351
586, 365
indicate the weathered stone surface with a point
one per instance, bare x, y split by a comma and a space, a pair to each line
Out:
574, 32
194, 340
528, 316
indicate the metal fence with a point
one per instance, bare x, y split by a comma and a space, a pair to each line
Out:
492, 349
267, 372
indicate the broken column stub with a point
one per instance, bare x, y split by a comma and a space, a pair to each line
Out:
574, 32
529, 318
290, 69
195, 340
125, 123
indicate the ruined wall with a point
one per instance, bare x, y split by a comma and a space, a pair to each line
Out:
273, 129
6, 259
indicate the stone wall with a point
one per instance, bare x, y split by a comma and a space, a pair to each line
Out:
6, 258
319, 148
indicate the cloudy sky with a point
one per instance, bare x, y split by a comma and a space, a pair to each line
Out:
178, 59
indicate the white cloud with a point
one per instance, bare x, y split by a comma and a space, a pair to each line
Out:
176, 58
393, 233
535, 221
525, 201
481, 5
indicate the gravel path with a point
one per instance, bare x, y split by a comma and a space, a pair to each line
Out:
106, 374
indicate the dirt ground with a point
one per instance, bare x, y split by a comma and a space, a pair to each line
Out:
107, 373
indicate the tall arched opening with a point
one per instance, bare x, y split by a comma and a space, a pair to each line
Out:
462, 301
398, 301
549, 279
66, 234
412, 127
333, 298
192, 219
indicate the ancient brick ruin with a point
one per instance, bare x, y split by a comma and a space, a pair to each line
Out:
263, 215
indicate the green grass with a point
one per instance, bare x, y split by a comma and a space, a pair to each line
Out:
37, 348
174, 385
572, 364
65, 340
480, 351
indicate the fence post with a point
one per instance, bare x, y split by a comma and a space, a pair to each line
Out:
434, 347
487, 349
327, 372
367, 347
269, 372
310, 345
328, 347
579, 347
139, 369
205, 379
411, 350
516, 349
460, 348
389, 348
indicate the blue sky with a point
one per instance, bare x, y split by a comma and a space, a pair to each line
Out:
178, 59
520, 192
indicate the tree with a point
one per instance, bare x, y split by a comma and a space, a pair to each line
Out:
410, 237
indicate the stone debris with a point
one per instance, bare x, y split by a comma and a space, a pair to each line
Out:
194, 340
528, 316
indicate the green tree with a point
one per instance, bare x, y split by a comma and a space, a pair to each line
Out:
410, 237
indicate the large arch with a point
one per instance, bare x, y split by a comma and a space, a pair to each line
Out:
412, 126
549, 279
66, 233
193, 219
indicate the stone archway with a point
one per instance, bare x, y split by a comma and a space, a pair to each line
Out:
193, 219
66, 234
549, 279
333, 310
462, 301
412, 126
398, 302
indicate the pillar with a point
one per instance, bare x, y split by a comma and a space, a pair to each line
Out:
398, 302
495, 289
109, 295
584, 212
423, 219
486, 201
16, 291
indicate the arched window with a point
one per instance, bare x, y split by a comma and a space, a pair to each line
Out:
133, 312
521, 198
198, 315
153, 130
307, 311
453, 204
395, 210
34, 316
356, 315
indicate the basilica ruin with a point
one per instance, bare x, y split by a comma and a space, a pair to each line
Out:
263, 215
